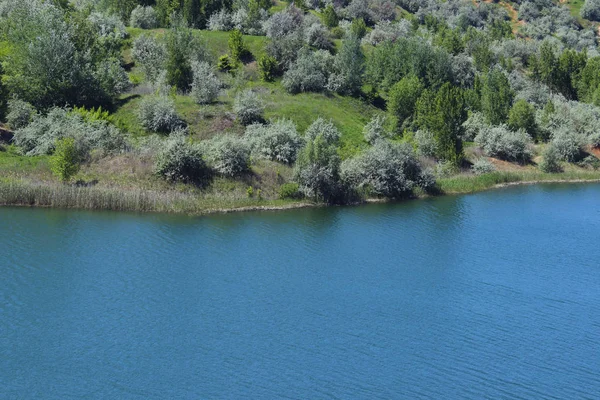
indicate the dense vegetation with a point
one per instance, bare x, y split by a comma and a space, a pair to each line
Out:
327, 100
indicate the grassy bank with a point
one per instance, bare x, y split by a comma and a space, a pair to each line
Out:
31, 194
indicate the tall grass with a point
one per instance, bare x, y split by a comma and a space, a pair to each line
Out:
90, 198
475, 183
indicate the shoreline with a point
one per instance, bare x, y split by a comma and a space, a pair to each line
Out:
26, 194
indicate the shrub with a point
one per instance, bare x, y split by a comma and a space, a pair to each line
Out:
316, 35
19, 114
283, 23
268, 68
482, 166
473, 125
426, 143
309, 73
324, 129
143, 17
550, 160
41, 135
375, 130
150, 55
386, 169
387, 31
248, 107
500, 142
289, 190
220, 21
568, 144
225, 64
278, 141
228, 155
591, 10
157, 114
64, 163
180, 161
317, 170
206, 85
591, 162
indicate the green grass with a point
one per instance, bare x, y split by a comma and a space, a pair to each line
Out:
350, 115
13, 162
216, 41
464, 183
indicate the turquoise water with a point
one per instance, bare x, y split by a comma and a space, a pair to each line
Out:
493, 295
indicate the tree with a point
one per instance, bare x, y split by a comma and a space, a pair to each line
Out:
330, 18
65, 160
268, 68
237, 48
318, 170
443, 113
358, 28
496, 97
180, 41
248, 107
348, 66
402, 99
522, 116
588, 81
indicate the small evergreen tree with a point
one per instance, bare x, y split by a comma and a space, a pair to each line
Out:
443, 113
64, 163
268, 68
237, 48
522, 116
330, 18
496, 97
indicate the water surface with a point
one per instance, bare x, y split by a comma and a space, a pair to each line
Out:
493, 295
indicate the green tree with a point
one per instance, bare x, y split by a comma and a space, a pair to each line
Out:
180, 39
65, 160
330, 18
589, 80
358, 28
318, 170
522, 116
570, 65
268, 67
403, 98
193, 13
496, 97
237, 47
443, 113
348, 67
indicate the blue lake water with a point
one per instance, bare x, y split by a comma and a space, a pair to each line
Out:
493, 295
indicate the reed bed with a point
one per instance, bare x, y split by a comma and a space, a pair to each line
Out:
114, 199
